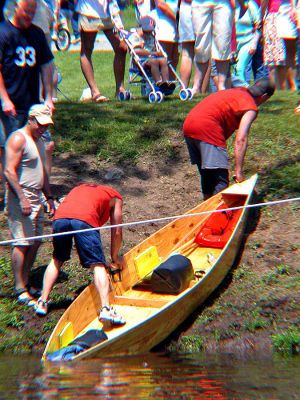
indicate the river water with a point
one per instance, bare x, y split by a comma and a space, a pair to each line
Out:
152, 376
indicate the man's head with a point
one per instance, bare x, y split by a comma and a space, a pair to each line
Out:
262, 90
39, 118
23, 13
147, 24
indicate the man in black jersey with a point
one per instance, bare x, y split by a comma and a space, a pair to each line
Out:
24, 57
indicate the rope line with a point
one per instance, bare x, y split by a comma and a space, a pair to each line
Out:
149, 221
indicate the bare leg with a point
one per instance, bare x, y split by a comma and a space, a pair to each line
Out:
171, 48
200, 73
222, 68
102, 284
87, 46
50, 277
186, 65
120, 50
155, 71
291, 79
291, 49
164, 69
281, 77
18, 260
30, 259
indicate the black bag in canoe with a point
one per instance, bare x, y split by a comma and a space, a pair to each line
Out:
173, 275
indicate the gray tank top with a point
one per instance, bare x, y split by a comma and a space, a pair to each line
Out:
30, 171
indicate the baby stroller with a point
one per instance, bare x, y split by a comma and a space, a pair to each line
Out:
139, 73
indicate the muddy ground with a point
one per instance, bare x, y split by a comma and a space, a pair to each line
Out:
154, 188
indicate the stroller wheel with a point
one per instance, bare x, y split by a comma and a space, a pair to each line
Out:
159, 96
184, 94
190, 94
152, 97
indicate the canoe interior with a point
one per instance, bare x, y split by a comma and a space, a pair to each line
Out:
133, 297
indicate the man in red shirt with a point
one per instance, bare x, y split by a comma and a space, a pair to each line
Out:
212, 122
86, 206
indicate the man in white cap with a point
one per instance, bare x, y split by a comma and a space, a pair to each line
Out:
24, 170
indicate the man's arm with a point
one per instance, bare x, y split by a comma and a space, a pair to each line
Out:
47, 192
13, 155
47, 81
7, 105
241, 142
116, 233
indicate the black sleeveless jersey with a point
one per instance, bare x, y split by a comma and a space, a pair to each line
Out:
22, 53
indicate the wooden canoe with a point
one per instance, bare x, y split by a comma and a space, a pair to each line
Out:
150, 316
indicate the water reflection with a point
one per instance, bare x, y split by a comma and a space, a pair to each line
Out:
152, 377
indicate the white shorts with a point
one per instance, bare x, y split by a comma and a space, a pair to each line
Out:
165, 30
186, 32
22, 226
286, 28
212, 24
90, 24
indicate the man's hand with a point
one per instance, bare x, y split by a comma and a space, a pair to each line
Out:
239, 177
25, 206
119, 262
8, 107
51, 208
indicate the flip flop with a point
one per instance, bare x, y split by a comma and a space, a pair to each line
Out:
101, 99
26, 300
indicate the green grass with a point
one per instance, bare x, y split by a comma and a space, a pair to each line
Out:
287, 342
126, 131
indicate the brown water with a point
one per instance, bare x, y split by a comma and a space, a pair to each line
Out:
152, 376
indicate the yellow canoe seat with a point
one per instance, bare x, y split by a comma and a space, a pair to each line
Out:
146, 261
66, 335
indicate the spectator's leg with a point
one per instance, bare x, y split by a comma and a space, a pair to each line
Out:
201, 71
291, 48
186, 64
87, 46
18, 259
120, 50
171, 48
30, 259
222, 68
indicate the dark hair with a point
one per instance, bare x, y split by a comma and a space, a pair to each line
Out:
262, 86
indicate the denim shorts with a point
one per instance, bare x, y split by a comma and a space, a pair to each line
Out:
88, 244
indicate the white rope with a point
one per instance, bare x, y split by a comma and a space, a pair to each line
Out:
149, 221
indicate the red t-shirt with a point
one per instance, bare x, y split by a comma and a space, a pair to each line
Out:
88, 203
217, 116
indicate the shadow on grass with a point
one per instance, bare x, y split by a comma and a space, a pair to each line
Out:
282, 178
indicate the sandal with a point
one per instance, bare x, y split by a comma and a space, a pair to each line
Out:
25, 298
41, 307
101, 99
33, 291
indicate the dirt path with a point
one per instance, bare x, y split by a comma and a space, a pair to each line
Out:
155, 188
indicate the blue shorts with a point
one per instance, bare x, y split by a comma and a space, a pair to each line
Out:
88, 244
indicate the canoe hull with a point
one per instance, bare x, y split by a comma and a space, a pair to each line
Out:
153, 319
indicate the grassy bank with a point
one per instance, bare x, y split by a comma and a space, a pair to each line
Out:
261, 295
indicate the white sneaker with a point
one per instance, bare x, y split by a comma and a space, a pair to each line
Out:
110, 316
41, 307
